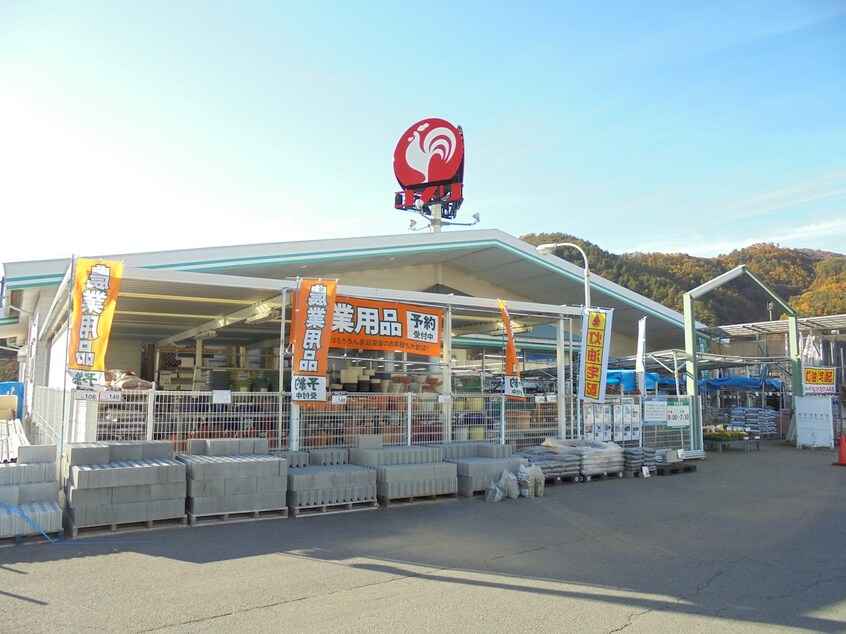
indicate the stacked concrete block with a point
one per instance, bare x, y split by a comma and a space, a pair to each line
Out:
117, 483
479, 463
232, 477
327, 483
29, 492
295, 458
407, 472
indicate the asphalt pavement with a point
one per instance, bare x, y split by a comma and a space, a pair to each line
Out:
749, 542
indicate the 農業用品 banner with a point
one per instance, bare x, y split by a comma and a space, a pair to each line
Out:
96, 284
595, 348
378, 325
314, 308
512, 385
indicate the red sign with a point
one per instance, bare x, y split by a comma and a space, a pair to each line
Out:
430, 151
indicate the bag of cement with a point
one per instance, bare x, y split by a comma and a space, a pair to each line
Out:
537, 480
527, 489
509, 484
493, 493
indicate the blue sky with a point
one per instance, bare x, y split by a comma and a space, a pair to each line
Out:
639, 126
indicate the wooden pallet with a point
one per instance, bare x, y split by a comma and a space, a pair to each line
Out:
123, 527
37, 538
675, 467
638, 473
384, 501
602, 476
551, 481
332, 509
244, 516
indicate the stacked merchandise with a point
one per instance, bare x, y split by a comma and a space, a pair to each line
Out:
595, 458
553, 464
29, 490
638, 457
753, 420
323, 480
480, 463
233, 476
107, 484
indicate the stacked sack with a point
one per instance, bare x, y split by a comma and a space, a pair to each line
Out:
595, 457
553, 464
638, 457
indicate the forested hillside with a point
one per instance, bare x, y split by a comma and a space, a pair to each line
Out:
813, 282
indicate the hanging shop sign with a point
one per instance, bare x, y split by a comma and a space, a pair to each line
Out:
429, 166
376, 325
512, 386
595, 349
96, 284
314, 309
820, 380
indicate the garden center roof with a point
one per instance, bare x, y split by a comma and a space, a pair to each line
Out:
169, 293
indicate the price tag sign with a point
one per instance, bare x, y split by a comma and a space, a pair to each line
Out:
111, 396
681, 454
444, 398
645, 471
540, 398
551, 398
85, 395
339, 398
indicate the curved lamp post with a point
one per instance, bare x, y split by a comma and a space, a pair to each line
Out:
546, 249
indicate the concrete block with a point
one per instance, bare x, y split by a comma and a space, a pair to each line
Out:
45, 515
493, 450
156, 449
368, 441
196, 446
168, 491
295, 459
222, 447
9, 494
37, 453
262, 446
211, 505
87, 497
240, 486
204, 488
124, 494
271, 483
246, 447
123, 450
128, 512
87, 453
165, 508
38, 492
7, 474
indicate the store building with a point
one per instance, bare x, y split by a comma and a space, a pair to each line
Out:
198, 320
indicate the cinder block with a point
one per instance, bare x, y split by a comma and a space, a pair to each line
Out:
222, 447
246, 446
168, 491
204, 488
124, 494
37, 453
368, 441
271, 483
197, 446
239, 486
87, 453
88, 497
262, 446
38, 492
319, 457
211, 505
9, 494
156, 450
295, 459
165, 509
7, 474
120, 451
45, 515
493, 450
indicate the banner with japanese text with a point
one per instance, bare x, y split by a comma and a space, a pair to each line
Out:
512, 385
378, 325
820, 380
96, 284
314, 309
595, 349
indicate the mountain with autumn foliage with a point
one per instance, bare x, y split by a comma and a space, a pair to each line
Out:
812, 282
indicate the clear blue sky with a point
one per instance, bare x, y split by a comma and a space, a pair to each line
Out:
694, 127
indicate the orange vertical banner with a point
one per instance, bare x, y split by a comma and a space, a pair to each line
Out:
96, 284
314, 309
512, 384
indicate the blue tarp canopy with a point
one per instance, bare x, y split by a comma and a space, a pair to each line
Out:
740, 383
628, 379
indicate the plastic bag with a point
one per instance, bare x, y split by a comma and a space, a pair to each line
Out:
493, 493
510, 485
537, 480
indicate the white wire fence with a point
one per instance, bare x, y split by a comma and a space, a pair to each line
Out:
401, 419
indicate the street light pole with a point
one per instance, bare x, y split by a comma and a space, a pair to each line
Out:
547, 249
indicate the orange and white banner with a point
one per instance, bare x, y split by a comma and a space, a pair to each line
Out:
96, 284
314, 309
377, 325
512, 384
595, 349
